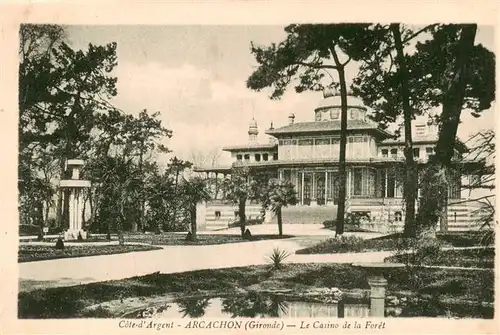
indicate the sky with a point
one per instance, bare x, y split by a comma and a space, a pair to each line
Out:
195, 76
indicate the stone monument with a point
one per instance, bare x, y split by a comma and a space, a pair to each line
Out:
76, 187
378, 284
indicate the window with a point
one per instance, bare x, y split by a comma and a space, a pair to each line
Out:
306, 142
420, 130
357, 181
354, 114
398, 216
217, 215
416, 152
239, 157
275, 156
257, 157
318, 116
322, 141
265, 157
385, 153
391, 184
247, 157
334, 113
429, 151
394, 153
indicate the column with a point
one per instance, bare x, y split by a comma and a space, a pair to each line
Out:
77, 210
348, 182
313, 189
280, 174
216, 186
377, 295
302, 198
326, 187
386, 175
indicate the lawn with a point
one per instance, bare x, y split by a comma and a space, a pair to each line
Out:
472, 258
202, 239
463, 291
31, 253
389, 242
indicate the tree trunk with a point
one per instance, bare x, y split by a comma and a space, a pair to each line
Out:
280, 221
434, 199
193, 222
242, 215
410, 184
339, 229
174, 212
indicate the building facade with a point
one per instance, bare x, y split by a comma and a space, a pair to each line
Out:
307, 154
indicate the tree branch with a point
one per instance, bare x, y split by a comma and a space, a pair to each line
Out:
313, 66
408, 38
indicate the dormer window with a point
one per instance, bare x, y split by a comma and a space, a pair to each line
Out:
354, 114
334, 114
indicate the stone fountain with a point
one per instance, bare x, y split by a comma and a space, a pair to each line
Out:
76, 186
378, 284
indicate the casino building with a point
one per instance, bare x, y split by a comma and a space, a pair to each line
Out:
307, 153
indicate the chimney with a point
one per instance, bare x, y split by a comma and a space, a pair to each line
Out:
291, 118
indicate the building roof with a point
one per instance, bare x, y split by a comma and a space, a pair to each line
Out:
250, 146
377, 161
325, 126
334, 101
218, 169
429, 138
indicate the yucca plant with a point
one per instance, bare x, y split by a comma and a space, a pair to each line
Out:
277, 257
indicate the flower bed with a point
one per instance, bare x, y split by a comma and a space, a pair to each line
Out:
471, 258
31, 253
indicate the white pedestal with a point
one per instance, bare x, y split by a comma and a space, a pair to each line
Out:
377, 295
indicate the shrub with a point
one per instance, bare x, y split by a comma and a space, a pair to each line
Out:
329, 223
418, 251
60, 244
488, 237
277, 257
352, 219
28, 229
98, 312
55, 230
355, 219
247, 235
